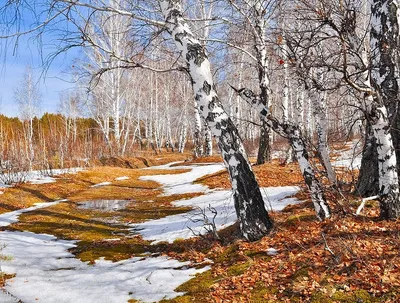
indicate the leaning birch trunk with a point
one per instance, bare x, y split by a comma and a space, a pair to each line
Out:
321, 125
253, 218
384, 77
293, 133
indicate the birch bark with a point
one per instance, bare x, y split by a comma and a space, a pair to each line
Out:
318, 100
264, 149
384, 77
293, 133
253, 218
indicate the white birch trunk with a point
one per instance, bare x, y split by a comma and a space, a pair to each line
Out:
264, 148
198, 145
385, 78
253, 218
293, 134
321, 125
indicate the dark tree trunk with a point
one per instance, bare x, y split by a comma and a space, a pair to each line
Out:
253, 218
249, 204
368, 179
264, 149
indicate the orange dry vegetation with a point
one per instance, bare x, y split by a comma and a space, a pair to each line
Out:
345, 259
269, 174
146, 159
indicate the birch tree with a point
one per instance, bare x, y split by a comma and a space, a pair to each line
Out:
384, 78
380, 86
27, 95
253, 218
293, 133
256, 15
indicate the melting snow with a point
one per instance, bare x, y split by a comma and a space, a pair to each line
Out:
121, 178
46, 272
182, 225
178, 226
12, 217
350, 158
39, 177
101, 184
182, 183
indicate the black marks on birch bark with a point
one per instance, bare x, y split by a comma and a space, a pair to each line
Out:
195, 52
253, 218
206, 88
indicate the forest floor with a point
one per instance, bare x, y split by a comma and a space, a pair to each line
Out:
120, 232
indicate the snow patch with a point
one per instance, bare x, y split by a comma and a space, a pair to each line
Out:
101, 184
272, 251
12, 217
351, 158
122, 178
182, 183
47, 272
177, 226
38, 176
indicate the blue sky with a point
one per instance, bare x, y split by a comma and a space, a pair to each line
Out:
13, 64
51, 84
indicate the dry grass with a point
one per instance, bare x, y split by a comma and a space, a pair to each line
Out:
269, 174
101, 233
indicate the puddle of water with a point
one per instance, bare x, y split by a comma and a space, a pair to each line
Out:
104, 205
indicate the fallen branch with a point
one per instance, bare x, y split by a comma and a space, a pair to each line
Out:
327, 248
363, 201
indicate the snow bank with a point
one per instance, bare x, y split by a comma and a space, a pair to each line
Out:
39, 177
182, 183
179, 226
101, 184
46, 272
12, 217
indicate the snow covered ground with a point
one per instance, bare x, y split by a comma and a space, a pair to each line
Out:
47, 272
12, 216
183, 183
37, 176
350, 158
182, 226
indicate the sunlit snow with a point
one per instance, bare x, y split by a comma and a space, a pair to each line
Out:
12, 217
185, 225
47, 272
37, 176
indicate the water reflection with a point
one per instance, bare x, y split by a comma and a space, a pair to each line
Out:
104, 205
